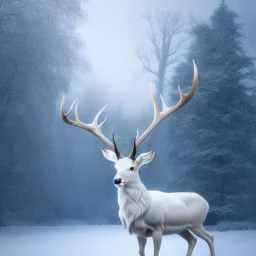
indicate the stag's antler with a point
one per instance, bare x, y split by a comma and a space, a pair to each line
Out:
160, 116
93, 128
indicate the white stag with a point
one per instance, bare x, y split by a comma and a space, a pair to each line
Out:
151, 213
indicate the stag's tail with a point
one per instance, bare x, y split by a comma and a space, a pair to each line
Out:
206, 209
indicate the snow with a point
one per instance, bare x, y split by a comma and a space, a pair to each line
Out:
111, 240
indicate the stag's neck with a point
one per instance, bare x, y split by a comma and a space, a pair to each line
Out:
134, 201
136, 192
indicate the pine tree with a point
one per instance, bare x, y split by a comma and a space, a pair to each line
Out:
211, 142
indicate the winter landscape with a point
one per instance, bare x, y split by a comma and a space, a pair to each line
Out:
65, 190
111, 241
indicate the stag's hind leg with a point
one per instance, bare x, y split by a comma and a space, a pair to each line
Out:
200, 232
208, 234
191, 239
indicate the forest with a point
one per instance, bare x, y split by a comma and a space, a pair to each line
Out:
53, 173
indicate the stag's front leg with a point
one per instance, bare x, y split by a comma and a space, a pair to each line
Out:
142, 244
157, 239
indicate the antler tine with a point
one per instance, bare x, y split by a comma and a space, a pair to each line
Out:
160, 116
164, 107
95, 121
63, 115
93, 127
156, 108
118, 154
134, 149
103, 122
76, 113
137, 134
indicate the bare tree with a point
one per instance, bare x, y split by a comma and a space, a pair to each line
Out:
166, 41
20, 21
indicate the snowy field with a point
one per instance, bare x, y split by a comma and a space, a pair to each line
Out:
111, 240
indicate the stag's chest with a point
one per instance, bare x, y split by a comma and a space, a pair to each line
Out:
138, 226
133, 205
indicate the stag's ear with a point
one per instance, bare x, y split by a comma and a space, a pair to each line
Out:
109, 155
145, 158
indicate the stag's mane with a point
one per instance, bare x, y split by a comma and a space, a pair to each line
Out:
134, 202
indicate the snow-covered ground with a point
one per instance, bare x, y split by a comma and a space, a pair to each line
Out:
111, 240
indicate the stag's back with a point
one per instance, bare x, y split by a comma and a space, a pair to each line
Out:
177, 208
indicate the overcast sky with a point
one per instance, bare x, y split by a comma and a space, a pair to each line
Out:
115, 28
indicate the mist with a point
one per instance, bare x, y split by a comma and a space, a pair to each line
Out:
114, 31
51, 172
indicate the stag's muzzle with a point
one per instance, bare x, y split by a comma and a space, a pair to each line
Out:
117, 181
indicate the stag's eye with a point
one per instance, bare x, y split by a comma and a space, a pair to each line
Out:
131, 168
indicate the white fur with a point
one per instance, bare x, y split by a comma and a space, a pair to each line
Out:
154, 213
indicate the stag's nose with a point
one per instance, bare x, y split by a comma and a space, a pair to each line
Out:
117, 181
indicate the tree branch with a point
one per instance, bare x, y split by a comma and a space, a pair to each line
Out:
152, 36
144, 59
164, 30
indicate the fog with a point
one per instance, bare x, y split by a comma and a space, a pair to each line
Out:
89, 51
113, 32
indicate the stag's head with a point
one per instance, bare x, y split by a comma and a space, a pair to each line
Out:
127, 167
